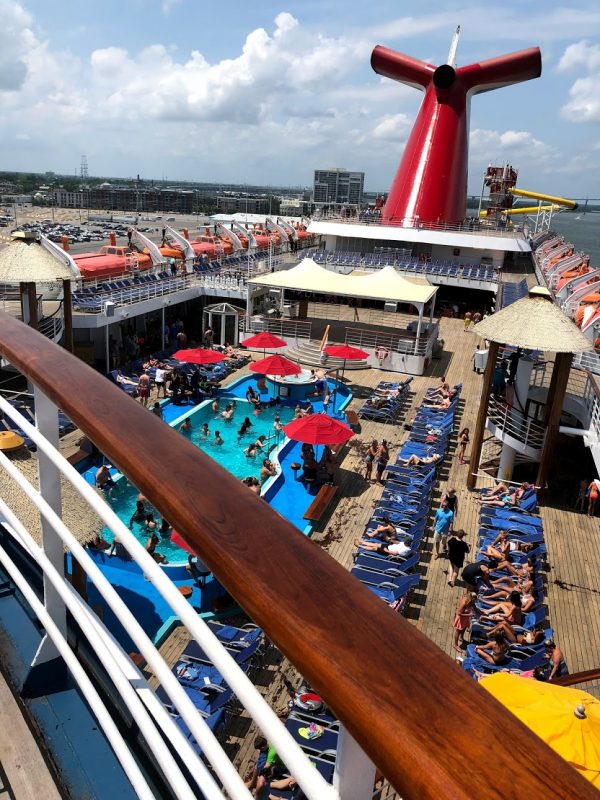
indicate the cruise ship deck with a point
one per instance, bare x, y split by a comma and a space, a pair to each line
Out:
571, 588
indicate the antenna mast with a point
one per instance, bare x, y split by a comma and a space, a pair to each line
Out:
453, 47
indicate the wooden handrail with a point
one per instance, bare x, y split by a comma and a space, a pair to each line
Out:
429, 728
578, 677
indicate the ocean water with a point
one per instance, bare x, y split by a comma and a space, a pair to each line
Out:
582, 230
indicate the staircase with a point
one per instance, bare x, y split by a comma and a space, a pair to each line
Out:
309, 353
510, 426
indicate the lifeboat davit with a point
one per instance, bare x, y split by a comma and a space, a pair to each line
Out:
110, 261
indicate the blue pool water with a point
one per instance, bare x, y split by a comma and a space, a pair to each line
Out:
286, 495
231, 454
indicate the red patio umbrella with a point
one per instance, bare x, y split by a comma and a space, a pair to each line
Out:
346, 352
318, 429
265, 340
177, 540
275, 365
199, 356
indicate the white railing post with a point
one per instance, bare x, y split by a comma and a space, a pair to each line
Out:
354, 773
46, 418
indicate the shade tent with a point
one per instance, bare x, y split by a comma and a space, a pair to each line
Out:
384, 284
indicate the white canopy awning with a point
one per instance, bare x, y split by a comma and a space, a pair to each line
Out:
385, 284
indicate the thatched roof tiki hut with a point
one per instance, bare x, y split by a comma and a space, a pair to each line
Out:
534, 323
30, 259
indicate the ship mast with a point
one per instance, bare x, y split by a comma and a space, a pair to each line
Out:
453, 48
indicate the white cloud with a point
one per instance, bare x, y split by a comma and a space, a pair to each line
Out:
584, 103
491, 146
392, 127
580, 54
246, 89
168, 5
14, 34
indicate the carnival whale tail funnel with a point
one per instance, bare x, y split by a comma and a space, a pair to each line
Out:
431, 182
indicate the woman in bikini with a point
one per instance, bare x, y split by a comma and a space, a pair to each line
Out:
463, 441
510, 610
495, 652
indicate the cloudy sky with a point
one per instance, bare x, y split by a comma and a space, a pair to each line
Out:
268, 91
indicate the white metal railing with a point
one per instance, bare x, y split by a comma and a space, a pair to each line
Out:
288, 329
470, 225
590, 361
393, 342
515, 424
53, 325
591, 399
154, 721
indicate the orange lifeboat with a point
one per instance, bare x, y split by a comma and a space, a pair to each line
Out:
556, 259
567, 276
110, 261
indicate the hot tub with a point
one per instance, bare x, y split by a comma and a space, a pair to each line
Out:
294, 387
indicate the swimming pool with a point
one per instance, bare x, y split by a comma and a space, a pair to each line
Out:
230, 455
284, 493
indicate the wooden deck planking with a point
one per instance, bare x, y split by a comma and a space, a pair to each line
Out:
27, 774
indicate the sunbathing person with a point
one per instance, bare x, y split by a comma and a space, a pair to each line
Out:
503, 496
495, 652
443, 390
386, 529
421, 461
527, 637
442, 405
387, 392
509, 611
384, 548
521, 584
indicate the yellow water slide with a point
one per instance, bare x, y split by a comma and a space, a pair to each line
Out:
529, 209
548, 198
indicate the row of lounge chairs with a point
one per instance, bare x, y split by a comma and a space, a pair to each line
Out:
212, 374
204, 684
386, 402
441, 267
522, 525
406, 503
27, 409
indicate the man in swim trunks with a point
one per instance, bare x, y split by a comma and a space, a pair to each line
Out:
104, 480
144, 388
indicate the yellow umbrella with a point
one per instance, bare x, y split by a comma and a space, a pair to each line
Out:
9, 440
567, 719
